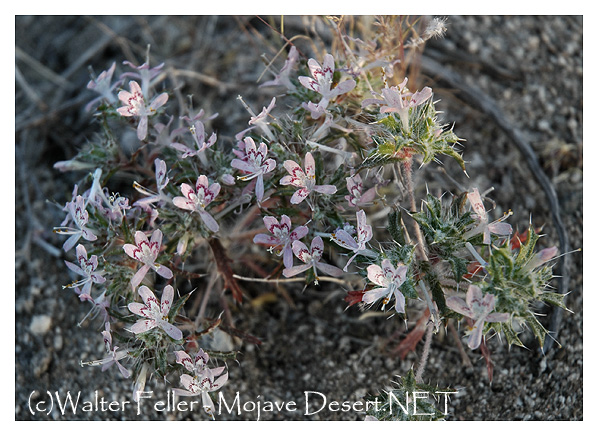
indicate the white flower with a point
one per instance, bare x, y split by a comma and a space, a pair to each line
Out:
305, 181
389, 279
255, 164
155, 313
135, 105
479, 309
321, 81
358, 245
146, 252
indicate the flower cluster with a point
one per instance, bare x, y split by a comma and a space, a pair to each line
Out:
310, 189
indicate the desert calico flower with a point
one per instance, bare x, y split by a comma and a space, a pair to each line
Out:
479, 309
103, 85
135, 105
201, 384
356, 197
282, 236
199, 199
358, 245
114, 355
389, 279
87, 269
155, 313
483, 226
144, 73
311, 259
399, 100
283, 77
161, 183
255, 165
305, 181
260, 120
197, 365
198, 132
146, 252
321, 81
80, 217
99, 305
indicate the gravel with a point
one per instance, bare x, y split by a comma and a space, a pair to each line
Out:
531, 67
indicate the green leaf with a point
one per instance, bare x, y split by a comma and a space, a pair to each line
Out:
556, 299
177, 306
395, 228
537, 328
510, 334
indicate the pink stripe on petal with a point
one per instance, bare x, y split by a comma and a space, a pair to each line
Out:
299, 233
266, 239
299, 196
300, 250
143, 326
132, 250
183, 203
146, 295
375, 274
166, 301
137, 308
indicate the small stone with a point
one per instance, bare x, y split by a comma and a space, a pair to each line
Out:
40, 324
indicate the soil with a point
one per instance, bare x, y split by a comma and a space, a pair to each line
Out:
530, 65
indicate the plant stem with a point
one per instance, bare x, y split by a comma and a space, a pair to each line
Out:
407, 170
425, 353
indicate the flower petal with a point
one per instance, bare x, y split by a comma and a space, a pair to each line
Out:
209, 221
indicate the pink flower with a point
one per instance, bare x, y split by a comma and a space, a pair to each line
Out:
199, 199
135, 105
80, 217
255, 165
146, 252
389, 279
161, 183
311, 259
197, 365
201, 384
483, 225
144, 73
196, 127
86, 268
479, 309
103, 86
155, 313
305, 181
399, 100
358, 246
283, 77
260, 120
282, 236
114, 355
321, 81
99, 305
355, 197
